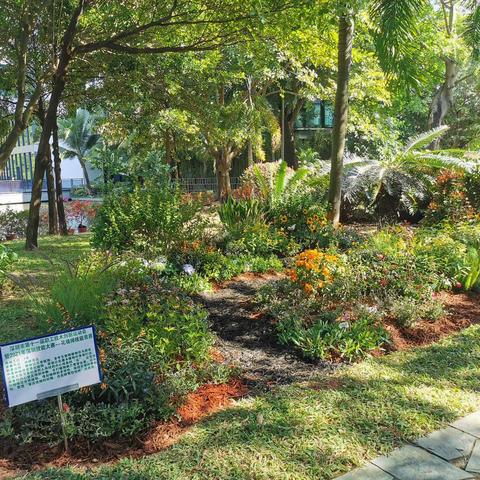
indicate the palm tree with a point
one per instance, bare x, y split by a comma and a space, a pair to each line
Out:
401, 180
78, 139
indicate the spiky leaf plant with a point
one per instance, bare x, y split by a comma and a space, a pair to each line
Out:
401, 180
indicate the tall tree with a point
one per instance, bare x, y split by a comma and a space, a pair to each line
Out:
178, 26
345, 43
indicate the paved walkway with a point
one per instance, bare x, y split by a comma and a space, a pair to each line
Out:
449, 454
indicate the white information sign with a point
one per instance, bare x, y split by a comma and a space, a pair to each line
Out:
48, 366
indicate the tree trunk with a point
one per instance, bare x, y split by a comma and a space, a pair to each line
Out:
443, 99
250, 158
52, 207
50, 120
223, 160
345, 41
85, 174
290, 144
62, 222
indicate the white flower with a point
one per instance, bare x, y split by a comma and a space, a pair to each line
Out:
188, 269
373, 309
344, 325
121, 291
291, 227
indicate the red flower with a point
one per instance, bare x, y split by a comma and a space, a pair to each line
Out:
66, 408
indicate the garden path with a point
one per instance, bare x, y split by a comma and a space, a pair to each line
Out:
452, 453
246, 338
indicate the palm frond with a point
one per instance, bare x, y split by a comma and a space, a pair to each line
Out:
472, 29
424, 139
395, 33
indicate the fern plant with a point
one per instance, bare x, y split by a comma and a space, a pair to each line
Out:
275, 187
400, 181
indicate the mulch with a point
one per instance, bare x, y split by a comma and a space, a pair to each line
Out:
463, 310
207, 400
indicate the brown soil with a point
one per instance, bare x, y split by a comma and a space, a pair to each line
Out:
463, 310
208, 399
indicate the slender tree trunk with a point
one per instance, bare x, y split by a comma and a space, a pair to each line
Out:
250, 158
65, 57
345, 41
443, 99
52, 210
86, 176
62, 222
52, 207
223, 160
290, 143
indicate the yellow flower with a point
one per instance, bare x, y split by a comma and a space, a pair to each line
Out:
284, 219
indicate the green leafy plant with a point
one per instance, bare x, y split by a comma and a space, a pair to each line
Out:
236, 215
151, 221
400, 181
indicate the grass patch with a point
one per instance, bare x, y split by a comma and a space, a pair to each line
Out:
324, 428
38, 268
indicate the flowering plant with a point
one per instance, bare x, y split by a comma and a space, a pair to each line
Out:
313, 270
81, 212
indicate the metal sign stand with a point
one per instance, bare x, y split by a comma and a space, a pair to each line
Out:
62, 421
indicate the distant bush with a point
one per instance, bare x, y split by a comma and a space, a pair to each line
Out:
150, 221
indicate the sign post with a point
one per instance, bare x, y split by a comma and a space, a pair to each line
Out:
49, 366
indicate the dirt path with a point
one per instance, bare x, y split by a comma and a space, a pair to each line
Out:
247, 339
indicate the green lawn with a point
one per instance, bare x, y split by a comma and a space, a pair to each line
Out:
309, 431
35, 271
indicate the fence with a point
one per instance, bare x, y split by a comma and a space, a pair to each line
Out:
25, 186
209, 184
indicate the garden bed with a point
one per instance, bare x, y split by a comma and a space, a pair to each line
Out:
208, 399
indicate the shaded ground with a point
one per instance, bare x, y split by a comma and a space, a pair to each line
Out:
247, 339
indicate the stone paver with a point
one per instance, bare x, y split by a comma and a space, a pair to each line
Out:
469, 424
413, 463
370, 472
449, 443
474, 462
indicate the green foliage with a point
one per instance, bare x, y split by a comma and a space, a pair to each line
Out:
150, 221
399, 182
7, 258
237, 215
407, 312
350, 338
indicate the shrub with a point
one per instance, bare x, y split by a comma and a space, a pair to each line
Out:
12, 222
450, 201
313, 270
407, 312
7, 258
149, 221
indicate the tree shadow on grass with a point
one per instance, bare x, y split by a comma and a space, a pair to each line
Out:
319, 430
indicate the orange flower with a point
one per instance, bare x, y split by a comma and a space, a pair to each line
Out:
308, 287
103, 386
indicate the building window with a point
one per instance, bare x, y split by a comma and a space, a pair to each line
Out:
315, 115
